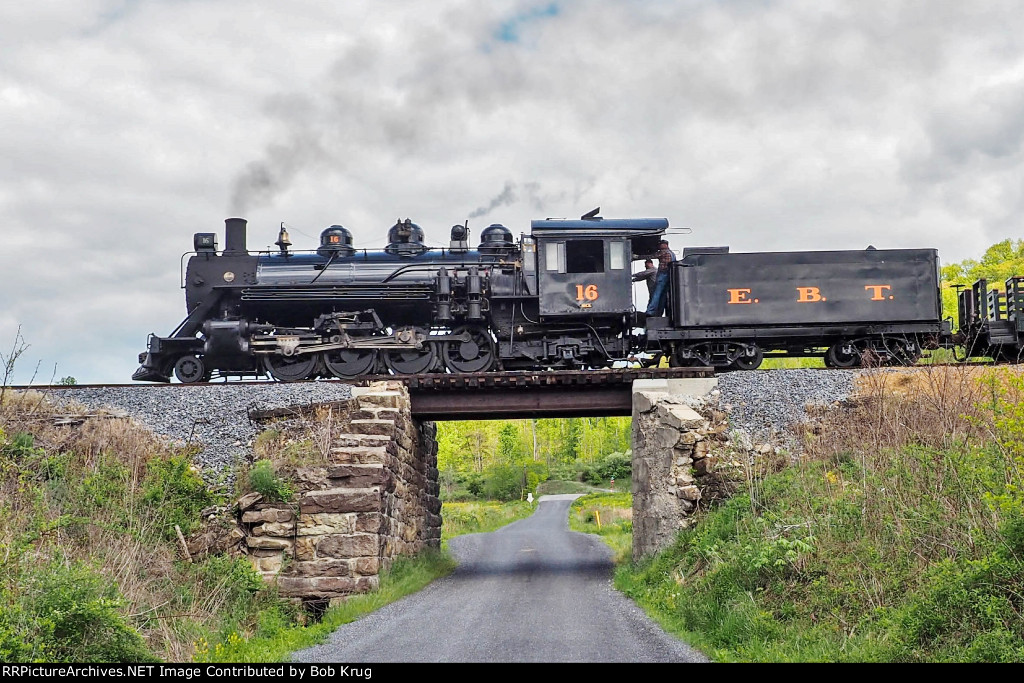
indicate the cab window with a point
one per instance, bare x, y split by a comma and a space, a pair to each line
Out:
584, 256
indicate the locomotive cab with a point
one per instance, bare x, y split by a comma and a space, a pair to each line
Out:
583, 265
584, 276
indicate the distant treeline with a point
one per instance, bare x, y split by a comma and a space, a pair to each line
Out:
505, 460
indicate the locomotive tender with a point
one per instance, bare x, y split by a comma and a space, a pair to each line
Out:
560, 297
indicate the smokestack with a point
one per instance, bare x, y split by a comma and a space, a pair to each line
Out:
234, 242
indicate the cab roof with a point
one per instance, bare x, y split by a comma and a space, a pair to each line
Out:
643, 233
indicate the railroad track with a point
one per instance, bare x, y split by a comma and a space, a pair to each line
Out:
511, 379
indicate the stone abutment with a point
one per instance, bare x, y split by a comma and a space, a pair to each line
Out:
681, 458
365, 491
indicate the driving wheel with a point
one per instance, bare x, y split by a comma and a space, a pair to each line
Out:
411, 361
475, 354
290, 368
350, 363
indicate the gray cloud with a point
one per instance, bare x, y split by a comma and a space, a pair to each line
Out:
762, 125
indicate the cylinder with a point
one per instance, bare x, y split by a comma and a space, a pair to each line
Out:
234, 239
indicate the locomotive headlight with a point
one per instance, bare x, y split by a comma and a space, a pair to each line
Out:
229, 276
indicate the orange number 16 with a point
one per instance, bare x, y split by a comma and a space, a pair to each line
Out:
586, 292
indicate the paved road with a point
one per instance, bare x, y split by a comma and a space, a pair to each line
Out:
530, 592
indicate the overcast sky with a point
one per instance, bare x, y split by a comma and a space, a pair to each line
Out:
128, 125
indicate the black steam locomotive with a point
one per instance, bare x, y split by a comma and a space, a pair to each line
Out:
560, 297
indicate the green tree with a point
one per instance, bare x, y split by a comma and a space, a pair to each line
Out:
571, 440
1000, 261
508, 444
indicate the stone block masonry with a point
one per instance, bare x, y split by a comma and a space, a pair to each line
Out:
679, 461
369, 495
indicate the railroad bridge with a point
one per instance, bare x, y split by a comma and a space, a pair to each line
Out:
376, 495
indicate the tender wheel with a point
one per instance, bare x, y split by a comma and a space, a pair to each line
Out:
701, 357
902, 352
746, 362
290, 368
836, 357
191, 369
350, 363
411, 361
475, 355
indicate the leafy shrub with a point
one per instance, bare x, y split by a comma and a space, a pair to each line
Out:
972, 606
615, 466
512, 482
21, 449
66, 612
177, 493
504, 482
612, 466
536, 472
265, 481
572, 471
474, 483
20, 445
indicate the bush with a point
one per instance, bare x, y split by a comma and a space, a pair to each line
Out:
265, 481
503, 482
20, 445
512, 482
615, 466
612, 466
474, 483
68, 613
177, 493
536, 473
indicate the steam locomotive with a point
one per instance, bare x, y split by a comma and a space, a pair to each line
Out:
559, 297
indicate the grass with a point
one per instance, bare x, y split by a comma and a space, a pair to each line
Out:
770, 363
610, 516
786, 363
899, 536
458, 518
